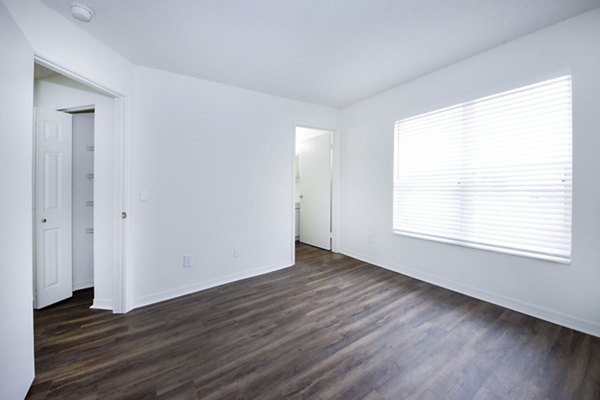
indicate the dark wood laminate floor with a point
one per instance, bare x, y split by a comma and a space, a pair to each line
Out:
329, 328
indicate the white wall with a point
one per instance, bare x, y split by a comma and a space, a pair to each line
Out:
16, 296
83, 192
217, 165
64, 44
247, 134
60, 93
567, 294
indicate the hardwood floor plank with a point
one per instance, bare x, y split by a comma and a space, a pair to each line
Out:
331, 327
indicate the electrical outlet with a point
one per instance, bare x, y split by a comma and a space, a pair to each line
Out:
188, 260
236, 252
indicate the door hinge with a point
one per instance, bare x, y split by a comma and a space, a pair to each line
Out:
123, 215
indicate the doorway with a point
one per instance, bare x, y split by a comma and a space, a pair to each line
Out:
63, 203
313, 186
83, 198
85, 176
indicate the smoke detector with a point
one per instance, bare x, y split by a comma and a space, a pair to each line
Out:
81, 12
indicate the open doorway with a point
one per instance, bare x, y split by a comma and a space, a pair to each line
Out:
313, 187
63, 203
74, 190
83, 199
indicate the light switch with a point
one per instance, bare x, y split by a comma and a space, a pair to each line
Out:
144, 196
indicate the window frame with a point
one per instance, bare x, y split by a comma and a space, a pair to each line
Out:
464, 241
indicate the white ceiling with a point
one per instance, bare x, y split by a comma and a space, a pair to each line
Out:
330, 52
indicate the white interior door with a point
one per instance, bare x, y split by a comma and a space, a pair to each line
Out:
314, 169
53, 258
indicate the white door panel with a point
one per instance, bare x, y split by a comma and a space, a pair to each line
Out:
53, 265
315, 182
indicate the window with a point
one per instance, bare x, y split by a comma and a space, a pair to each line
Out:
493, 173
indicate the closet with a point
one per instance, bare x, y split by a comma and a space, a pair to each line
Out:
83, 199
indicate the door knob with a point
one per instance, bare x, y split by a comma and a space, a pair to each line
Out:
44, 220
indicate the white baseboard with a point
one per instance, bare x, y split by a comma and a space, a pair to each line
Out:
569, 321
83, 284
102, 304
196, 287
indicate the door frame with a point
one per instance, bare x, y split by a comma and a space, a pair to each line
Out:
335, 183
120, 179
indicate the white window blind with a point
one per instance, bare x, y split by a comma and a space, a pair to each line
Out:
494, 173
